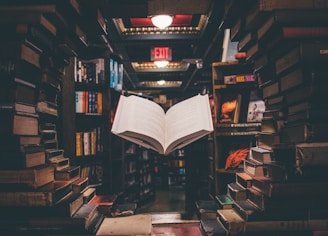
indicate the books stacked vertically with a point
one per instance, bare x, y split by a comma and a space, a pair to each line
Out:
287, 43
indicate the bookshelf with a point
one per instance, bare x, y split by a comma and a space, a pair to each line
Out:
86, 95
176, 169
133, 167
233, 85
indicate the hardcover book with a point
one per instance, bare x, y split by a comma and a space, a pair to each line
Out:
79, 185
144, 122
59, 162
244, 179
85, 215
273, 189
213, 227
47, 195
206, 209
225, 201
18, 91
254, 168
18, 123
304, 132
236, 192
304, 52
247, 210
312, 153
231, 220
267, 140
69, 173
262, 155
34, 177
104, 203
292, 18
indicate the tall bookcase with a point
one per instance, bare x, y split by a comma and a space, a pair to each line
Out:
233, 86
133, 170
86, 117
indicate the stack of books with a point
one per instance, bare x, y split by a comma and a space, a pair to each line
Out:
283, 178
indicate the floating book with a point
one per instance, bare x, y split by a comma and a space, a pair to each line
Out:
144, 122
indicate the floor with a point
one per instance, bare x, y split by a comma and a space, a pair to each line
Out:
168, 200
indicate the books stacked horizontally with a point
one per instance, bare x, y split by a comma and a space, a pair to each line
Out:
39, 188
284, 176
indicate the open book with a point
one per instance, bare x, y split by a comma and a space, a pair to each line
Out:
144, 122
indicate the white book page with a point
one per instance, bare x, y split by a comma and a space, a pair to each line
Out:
140, 115
188, 117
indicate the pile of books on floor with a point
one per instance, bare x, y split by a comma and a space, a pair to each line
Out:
283, 185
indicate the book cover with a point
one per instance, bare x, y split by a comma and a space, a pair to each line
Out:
311, 154
261, 155
247, 210
206, 209
104, 203
34, 177
18, 91
304, 52
213, 227
19, 123
274, 189
85, 214
225, 201
244, 179
185, 122
25, 50
69, 173
59, 162
267, 140
236, 192
304, 132
281, 18
254, 168
47, 195
231, 220
80, 185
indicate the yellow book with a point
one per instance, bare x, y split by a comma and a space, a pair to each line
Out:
78, 141
99, 103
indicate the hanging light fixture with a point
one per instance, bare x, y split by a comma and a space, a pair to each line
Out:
162, 21
161, 64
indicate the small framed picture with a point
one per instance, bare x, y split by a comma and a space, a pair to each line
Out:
255, 111
229, 107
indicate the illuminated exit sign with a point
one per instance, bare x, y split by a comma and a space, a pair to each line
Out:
160, 54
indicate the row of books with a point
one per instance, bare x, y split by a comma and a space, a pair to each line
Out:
88, 102
90, 71
90, 142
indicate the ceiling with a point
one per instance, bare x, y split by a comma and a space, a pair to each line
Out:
194, 38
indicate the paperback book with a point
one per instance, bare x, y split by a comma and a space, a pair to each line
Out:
144, 122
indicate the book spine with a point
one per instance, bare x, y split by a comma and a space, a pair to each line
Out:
86, 143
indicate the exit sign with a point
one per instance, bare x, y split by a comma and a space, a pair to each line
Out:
161, 53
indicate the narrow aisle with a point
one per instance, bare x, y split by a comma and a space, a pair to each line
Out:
166, 200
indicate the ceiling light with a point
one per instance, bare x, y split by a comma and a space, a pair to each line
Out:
161, 82
161, 64
162, 21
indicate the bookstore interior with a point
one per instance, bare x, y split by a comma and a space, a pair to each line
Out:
164, 117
